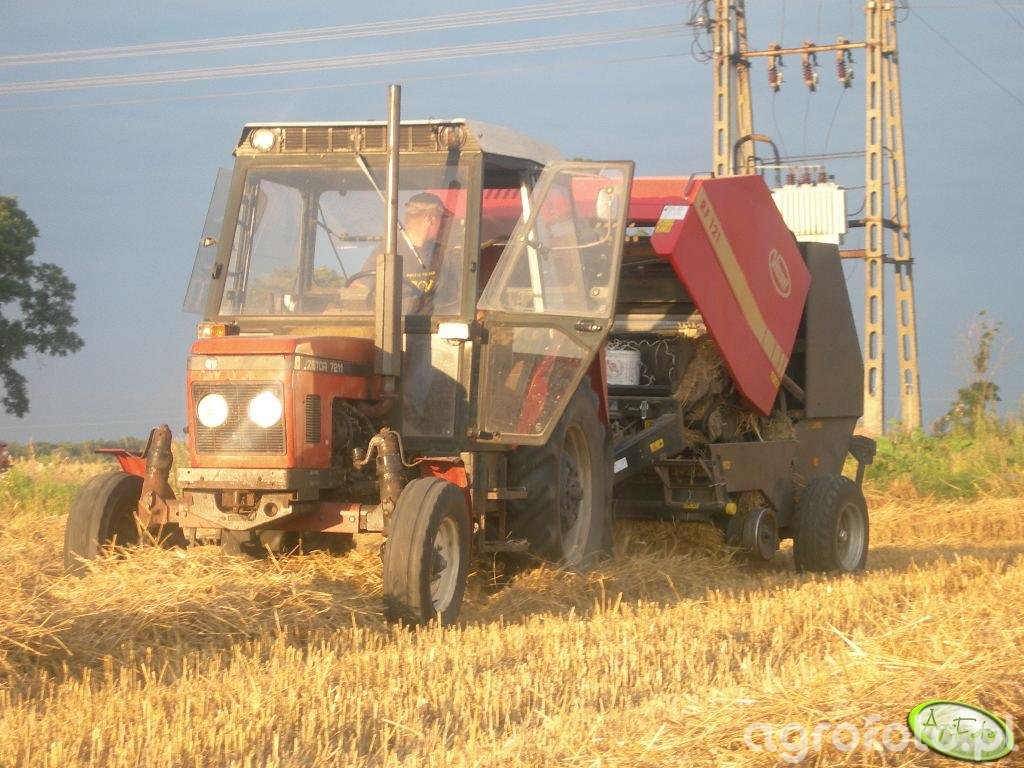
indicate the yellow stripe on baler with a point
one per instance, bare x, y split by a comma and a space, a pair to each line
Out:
739, 285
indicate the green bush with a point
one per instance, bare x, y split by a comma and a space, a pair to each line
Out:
955, 465
44, 488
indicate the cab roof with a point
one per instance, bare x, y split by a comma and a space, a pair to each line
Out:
369, 136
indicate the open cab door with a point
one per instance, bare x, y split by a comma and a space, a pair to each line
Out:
550, 301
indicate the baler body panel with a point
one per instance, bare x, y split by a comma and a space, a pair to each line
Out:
740, 264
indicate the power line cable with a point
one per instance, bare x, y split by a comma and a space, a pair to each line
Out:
832, 122
797, 159
967, 6
535, 12
545, 66
981, 70
1007, 12
775, 122
531, 45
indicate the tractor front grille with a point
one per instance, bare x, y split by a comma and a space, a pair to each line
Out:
239, 434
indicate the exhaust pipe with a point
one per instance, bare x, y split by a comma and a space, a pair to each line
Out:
388, 303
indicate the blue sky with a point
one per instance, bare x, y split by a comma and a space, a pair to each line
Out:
117, 179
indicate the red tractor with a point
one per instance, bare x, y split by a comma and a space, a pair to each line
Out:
405, 329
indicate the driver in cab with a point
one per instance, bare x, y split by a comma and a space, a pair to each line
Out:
420, 253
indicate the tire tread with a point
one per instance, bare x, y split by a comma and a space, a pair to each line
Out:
813, 548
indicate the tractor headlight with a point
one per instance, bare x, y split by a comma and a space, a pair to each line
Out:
212, 410
265, 409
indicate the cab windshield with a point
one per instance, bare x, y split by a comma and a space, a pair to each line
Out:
307, 239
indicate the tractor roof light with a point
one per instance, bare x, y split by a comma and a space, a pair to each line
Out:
263, 139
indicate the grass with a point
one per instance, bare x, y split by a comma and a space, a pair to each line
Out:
44, 488
664, 656
955, 466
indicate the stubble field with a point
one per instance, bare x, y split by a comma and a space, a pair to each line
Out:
670, 654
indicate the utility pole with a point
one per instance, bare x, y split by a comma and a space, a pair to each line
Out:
885, 136
733, 112
886, 204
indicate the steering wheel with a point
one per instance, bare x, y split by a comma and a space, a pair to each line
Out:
406, 282
359, 275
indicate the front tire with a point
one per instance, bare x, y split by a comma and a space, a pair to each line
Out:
102, 515
566, 516
426, 555
831, 527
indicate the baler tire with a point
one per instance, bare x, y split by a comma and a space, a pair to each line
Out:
832, 528
427, 531
581, 447
102, 514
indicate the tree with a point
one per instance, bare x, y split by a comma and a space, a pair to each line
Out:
35, 304
975, 404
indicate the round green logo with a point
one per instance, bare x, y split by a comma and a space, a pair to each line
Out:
961, 730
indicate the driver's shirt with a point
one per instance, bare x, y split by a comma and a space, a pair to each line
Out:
424, 279
420, 273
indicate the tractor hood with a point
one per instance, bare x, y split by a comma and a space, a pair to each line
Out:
299, 377
330, 354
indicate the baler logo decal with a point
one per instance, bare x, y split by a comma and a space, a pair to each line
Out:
779, 270
739, 285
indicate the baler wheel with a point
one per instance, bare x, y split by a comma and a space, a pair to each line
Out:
102, 515
831, 527
426, 555
566, 516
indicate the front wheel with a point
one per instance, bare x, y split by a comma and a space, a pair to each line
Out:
426, 555
831, 527
102, 515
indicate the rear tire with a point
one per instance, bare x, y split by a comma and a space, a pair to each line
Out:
831, 527
426, 555
566, 516
102, 515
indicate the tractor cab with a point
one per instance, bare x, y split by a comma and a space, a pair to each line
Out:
291, 250
304, 216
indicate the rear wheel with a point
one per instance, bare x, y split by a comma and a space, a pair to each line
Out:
102, 515
426, 555
831, 527
566, 515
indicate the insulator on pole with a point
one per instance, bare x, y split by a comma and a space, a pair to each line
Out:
810, 62
844, 64
774, 68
